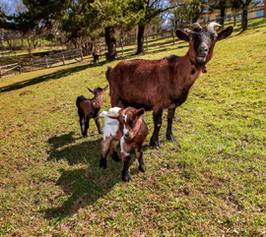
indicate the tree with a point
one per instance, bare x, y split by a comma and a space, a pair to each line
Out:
188, 12
243, 5
221, 5
110, 15
244, 18
142, 12
77, 23
235, 6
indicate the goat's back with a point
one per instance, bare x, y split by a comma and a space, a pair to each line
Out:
143, 83
80, 99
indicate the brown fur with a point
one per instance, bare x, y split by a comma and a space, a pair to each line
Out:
158, 84
89, 108
132, 133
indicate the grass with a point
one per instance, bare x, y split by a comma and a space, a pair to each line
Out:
210, 182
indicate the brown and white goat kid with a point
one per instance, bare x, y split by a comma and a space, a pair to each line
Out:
89, 108
128, 127
165, 83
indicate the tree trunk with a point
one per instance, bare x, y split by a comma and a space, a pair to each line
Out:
244, 20
222, 12
234, 16
110, 43
140, 38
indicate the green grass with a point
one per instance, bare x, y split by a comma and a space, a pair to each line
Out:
210, 182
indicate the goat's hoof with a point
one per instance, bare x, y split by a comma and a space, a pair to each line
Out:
170, 137
115, 156
103, 163
126, 176
155, 143
142, 168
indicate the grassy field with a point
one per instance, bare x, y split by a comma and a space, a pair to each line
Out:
210, 182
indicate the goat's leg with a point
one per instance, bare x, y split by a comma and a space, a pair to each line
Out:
157, 121
113, 151
81, 120
98, 125
87, 124
139, 156
170, 117
105, 148
125, 172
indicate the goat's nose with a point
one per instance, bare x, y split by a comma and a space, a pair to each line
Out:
203, 49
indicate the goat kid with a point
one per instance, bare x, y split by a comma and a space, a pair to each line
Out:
165, 83
89, 108
128, 127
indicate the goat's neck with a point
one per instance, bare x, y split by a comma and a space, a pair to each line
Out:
98, 101
194, 69
191, 57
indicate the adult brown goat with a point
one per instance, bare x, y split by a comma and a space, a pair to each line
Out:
159, 84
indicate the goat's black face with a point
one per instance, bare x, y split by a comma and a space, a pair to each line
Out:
202, 41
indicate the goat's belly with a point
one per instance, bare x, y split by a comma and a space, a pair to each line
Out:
138, 105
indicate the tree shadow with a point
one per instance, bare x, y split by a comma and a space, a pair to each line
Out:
52, 76
82, 186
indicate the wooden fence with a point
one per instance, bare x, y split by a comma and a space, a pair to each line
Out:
7, 69
47, 61
62, 58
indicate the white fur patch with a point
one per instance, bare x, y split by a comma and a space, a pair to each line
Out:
111, 126
122, 141
125, 130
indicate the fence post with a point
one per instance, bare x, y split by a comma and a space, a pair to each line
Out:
46, 61
63, 59
146, 42
81, 55
173, 34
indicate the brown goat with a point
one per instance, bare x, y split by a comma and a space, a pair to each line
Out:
128, 127
165, 83
89, 108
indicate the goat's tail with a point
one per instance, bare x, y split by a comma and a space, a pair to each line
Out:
107, 74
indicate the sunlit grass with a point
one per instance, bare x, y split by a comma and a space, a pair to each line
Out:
210, 182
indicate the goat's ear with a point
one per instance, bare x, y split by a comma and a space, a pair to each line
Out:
225, 33
105, 88
182, 35
140, 112
90, 90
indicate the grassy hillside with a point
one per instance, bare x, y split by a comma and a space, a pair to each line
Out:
210, 182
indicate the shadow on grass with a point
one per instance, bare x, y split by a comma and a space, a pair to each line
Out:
52, 76
82, 186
